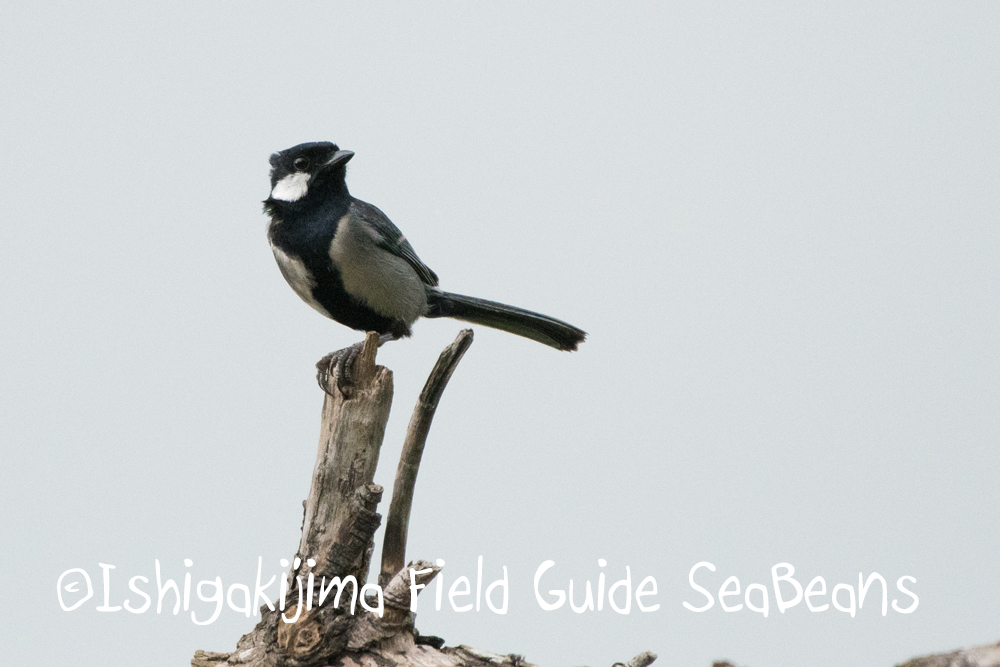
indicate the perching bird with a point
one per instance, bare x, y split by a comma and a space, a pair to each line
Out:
347, 260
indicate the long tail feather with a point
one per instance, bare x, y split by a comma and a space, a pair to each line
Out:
542, 328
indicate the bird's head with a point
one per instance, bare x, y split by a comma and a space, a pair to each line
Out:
303, 172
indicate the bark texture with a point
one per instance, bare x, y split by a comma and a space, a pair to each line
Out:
987, 655
338, 527
396, 528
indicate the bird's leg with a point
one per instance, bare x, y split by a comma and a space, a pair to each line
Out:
340, 364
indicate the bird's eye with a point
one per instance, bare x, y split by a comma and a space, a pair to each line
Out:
301, 163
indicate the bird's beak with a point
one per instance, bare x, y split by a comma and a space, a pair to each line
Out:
339, 159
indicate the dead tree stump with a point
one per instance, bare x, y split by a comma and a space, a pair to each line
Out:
327, 628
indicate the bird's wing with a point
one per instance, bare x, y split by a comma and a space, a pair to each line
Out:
388, 237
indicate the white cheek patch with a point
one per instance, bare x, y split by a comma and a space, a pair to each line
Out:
292, 187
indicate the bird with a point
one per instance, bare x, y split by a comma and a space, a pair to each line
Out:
347, 260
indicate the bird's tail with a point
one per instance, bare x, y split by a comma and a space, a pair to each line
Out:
554, 333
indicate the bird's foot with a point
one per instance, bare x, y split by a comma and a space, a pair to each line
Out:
341, 366
338, 366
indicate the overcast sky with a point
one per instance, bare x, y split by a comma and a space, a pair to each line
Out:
777, 222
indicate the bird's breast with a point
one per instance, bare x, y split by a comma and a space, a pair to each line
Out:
298, 276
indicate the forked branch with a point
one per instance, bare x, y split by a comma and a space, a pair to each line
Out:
337, 537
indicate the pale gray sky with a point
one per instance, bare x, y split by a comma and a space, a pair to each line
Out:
778, 222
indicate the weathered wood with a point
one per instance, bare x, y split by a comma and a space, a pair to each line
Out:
644, 659
987, 655
324, 630
398, 619
349, 443
397, 525
337, 539
338, 524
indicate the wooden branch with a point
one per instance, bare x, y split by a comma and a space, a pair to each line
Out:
349, 443
397, 525
338, 526
644, 659
987, 655
398, 618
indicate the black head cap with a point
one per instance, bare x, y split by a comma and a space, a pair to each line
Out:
311, 167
